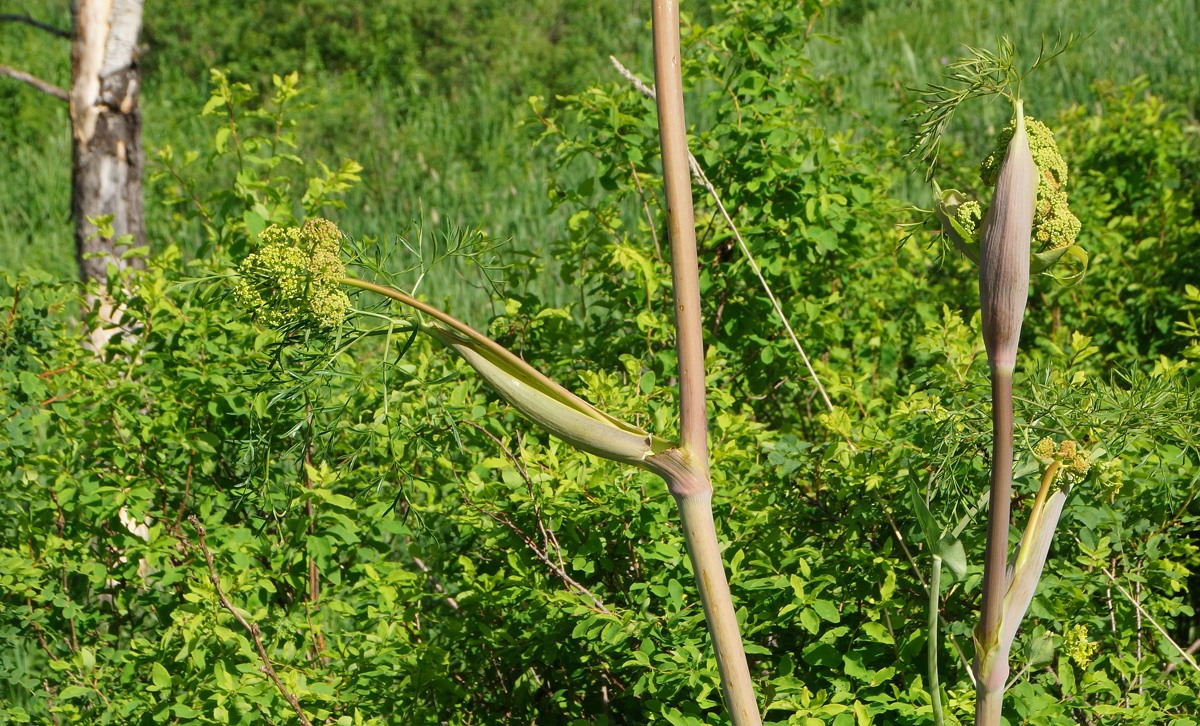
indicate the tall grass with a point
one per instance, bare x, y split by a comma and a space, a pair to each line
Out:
454, 150
885, 49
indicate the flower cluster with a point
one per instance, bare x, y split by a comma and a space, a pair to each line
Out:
1075, 461
295, 278
1077, 646
1054, 225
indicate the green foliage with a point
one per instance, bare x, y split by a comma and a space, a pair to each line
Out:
471, 569
253, 144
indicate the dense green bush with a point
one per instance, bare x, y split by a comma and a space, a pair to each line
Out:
470, 569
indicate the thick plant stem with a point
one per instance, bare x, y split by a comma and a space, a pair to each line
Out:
991, 656
681, 226
695, 513
690, 483
935, 686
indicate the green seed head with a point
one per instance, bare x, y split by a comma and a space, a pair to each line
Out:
295, 278
1074, 461
1045, 449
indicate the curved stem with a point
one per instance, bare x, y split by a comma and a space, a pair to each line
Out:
482, 340
691, 485
695, 514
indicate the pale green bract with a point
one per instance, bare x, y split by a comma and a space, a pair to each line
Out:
295, 278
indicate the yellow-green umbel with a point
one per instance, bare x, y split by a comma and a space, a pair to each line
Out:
1054, 225
295, 277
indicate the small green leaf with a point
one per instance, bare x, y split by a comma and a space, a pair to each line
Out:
929, 528
951, 550
160, 677
1040, 650
827, 611
254, 221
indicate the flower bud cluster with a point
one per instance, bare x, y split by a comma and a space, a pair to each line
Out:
1112, 477
1075, 462
1077, 646
1054, 225
295, 278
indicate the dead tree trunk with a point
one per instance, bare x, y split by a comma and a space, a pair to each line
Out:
106, 126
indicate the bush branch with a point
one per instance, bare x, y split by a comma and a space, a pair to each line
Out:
251, 628
34, 81
57, 32
1141, 611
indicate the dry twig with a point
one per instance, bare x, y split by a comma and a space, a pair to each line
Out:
34, 81
543, 554
702, 179
1141, 611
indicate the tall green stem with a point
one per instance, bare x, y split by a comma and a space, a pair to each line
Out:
991, 656
690, 484
695, 512
935, 687
681, 226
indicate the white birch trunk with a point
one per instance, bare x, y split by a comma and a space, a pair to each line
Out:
106, 125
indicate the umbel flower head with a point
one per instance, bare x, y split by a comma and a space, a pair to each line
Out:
1055, 227
1077, 646
295, 278
1074, 461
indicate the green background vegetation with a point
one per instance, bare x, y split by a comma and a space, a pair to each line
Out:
427, 506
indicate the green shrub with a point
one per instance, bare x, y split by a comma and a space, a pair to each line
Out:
472, 569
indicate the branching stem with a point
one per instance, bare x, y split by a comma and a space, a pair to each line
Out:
691, 486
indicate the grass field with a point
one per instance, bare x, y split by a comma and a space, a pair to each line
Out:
885, 49
442, 133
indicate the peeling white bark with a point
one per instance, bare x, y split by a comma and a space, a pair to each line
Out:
87, 58
106, 126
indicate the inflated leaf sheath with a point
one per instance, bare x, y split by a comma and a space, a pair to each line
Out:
588, 430
1004, 251
537, 397
1026, 567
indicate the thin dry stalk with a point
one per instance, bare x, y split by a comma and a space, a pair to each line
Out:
646, 209
251, 628
542, 555
702, 180
1142, 612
